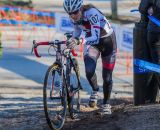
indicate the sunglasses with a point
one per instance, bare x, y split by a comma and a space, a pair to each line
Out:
75, 12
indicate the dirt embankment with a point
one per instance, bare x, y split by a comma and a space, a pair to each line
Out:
30, 116
125, 117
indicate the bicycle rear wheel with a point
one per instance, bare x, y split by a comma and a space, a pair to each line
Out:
72, 80
54, 97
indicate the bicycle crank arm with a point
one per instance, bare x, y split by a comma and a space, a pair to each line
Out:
74, 90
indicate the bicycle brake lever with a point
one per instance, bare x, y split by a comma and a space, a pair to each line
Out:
33, 46
32, 49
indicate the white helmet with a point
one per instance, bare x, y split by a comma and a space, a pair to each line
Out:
72, 5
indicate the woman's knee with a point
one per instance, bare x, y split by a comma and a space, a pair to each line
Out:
90, 66
89, 73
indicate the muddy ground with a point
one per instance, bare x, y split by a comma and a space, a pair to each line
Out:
125, 116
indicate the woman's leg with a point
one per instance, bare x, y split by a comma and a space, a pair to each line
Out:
108, 63
90, 60
108, 56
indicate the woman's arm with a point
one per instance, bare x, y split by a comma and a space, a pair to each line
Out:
94, 20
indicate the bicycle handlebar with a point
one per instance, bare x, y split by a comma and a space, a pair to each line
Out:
56, 42
35, 45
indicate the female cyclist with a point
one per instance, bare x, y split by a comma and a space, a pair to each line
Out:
92, 27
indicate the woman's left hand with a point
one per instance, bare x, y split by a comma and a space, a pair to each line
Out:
72, 42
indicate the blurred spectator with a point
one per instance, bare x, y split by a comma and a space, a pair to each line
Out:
152, 7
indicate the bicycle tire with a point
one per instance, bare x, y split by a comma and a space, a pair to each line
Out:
55, 106
74, 100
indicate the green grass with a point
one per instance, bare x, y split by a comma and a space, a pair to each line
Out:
22, 3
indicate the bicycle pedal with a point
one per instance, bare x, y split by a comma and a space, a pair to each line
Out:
74, 116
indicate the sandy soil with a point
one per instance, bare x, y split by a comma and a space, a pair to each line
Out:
125, 116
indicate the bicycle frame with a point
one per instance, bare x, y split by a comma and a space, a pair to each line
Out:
59, 54
69, 62
65, 90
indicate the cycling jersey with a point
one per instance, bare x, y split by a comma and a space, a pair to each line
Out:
92, 27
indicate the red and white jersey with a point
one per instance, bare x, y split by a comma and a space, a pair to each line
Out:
92, 27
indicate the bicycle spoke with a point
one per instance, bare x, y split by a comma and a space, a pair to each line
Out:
54, 99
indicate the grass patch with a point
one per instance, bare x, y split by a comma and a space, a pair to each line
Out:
21, 3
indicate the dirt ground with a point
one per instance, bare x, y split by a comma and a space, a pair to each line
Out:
125, 117
23, 112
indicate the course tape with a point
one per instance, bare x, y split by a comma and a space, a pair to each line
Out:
30, 12
152, 18
134, 10
15, 22
146, 66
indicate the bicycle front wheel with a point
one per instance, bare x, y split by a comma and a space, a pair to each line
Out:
55, 97
72, 82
